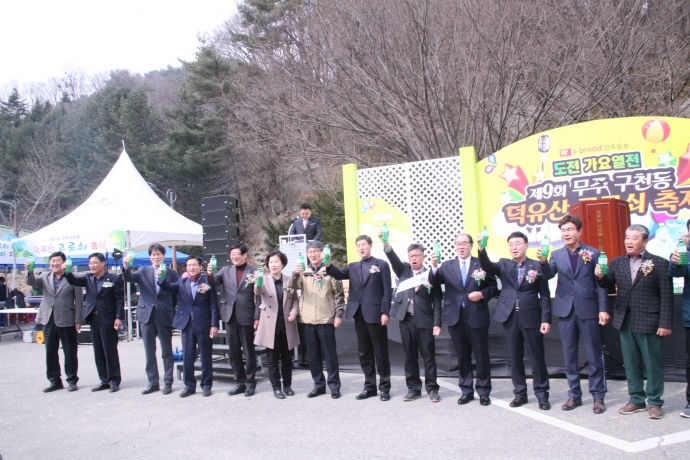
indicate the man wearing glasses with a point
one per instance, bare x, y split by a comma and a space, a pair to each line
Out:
466, 312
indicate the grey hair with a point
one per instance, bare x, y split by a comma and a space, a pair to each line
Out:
315, 245
414, 246
639, 228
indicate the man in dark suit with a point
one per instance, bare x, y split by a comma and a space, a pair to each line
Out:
524, 308
418, 311
466, 312
582, 305
104, 310
369, 303
643, 315
197, 319
61, 313
155, 312
306, 224
237, 310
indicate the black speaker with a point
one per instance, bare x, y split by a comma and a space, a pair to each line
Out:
217, 247
214, 218
216, 203
216, 232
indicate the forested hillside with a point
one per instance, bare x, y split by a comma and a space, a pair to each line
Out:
287, 91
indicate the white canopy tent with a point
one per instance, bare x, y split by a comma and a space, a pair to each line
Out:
123, 212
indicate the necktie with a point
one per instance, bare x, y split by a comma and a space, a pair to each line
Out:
463, 270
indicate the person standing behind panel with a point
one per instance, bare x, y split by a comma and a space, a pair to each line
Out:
237, 310
643, 315
369, 302
155, 312
581, 306
276, 328
466, 312
524, 308
306, 224
197, 319
321, 308
61, 313
104, 310
418, 311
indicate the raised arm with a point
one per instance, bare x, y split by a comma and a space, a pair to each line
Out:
75, 280
489, 267
397, 265
33, 281
169, 287
338, 274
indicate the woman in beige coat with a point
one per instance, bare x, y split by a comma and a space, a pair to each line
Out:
276, 328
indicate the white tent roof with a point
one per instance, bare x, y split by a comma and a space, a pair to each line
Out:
123, 210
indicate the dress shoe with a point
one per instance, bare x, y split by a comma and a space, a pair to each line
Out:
316, 392
207, 392
54, 386
167, 389
187, 392
484, 400
72, 387
249, 391
433, 396
239, 389
278, 394
655, 412
412, 395
366, 394
101, 387
335, 394
631, 408
467, 397
114, 388
518, 401
599, 406
544, 404
572, 403
288, 391
150, 389
385, 396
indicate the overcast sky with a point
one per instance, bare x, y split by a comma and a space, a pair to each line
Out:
40, 39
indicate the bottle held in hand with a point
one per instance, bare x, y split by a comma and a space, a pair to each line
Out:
68, 265
32, 263
260, 277
485, 237
300, 260
437, 250
384, 235
163, 272
213, 264
683, 253
545, 243
326, 254
603, 263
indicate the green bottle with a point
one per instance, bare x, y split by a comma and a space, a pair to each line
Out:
213, 263
32, 263
485, 237
164, 270
68, 265
326, 254
683, 252
259, 277
603, 263
300, 261
545, 242
437, 250
384, 235
131, 257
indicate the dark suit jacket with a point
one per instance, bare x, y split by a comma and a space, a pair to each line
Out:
649, 298
578, 289
164, 301
109, 302
203, 307
426, 307
240, 298
66, 305
534, 299
476, 313
373, 293
314, 230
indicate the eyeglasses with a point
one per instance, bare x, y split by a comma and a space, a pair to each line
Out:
463, 243
312, 252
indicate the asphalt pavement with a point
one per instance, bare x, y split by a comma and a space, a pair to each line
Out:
127, 424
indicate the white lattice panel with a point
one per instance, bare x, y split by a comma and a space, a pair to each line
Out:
428, 192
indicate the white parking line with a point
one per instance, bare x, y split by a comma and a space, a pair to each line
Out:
632, 447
